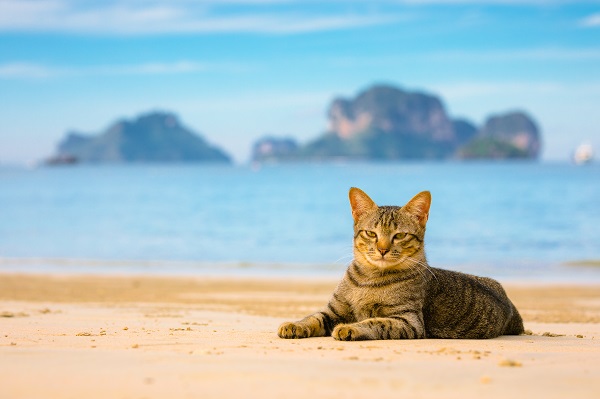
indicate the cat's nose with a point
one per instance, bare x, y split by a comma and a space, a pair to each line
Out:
383, 251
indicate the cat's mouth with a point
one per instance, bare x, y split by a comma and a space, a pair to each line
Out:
384, 262
390, 262
378, 261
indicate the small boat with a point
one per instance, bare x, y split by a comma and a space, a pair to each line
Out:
583, 154
61, 160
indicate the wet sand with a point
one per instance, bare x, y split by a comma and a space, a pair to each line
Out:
154, 337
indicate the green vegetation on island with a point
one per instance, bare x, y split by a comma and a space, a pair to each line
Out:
152, 137
388, 123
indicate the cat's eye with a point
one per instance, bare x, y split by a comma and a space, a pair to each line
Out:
399, 236
371, 234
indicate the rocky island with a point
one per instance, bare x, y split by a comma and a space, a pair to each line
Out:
388, 123
511, 135
151, 137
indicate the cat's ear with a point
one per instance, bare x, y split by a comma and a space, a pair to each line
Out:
360, 203
418, 206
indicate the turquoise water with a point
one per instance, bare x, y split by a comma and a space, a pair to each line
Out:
507, 220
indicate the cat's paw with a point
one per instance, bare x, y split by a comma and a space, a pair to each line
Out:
293, 330
346, 332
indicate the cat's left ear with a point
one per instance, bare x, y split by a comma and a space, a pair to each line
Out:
418, 206
360, 203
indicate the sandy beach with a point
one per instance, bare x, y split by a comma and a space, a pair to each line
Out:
154, 337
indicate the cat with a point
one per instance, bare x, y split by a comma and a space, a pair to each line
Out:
390, 292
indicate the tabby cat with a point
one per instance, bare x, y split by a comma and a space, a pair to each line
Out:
390, 292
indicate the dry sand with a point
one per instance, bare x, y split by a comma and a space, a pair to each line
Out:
154, 337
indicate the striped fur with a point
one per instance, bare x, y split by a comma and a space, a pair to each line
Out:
390, 292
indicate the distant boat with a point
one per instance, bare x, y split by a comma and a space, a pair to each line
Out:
583, 154
61, 160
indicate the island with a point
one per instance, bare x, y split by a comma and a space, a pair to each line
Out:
151, 137
385, 122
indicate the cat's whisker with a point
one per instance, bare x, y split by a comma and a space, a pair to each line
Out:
412, 267
424, 265
344, 257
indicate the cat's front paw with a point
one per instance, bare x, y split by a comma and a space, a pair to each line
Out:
293, 330
346, 332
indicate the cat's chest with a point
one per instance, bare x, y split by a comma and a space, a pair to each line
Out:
369, 303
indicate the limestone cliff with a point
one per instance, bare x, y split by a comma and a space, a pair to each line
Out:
388, 123
510, 135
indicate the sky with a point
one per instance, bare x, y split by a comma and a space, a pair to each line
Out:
237, 70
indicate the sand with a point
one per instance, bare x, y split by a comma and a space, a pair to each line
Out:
155, 337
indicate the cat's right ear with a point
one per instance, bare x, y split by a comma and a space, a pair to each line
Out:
418, 206
360, 203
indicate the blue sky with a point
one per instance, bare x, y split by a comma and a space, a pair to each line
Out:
236, 70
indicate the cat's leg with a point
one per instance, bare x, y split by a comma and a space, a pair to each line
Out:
319, 324
409, 326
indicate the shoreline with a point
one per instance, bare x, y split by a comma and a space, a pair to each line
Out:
575, 272
140, 336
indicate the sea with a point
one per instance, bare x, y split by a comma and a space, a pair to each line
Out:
519, 222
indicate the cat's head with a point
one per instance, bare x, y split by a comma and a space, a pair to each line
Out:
389, 237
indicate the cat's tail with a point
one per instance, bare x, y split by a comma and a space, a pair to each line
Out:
515, 324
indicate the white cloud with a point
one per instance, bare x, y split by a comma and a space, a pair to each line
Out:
155, 68
490, 2
136, 17
23, 70
494, 56
530, 54
591, 21
462, 90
